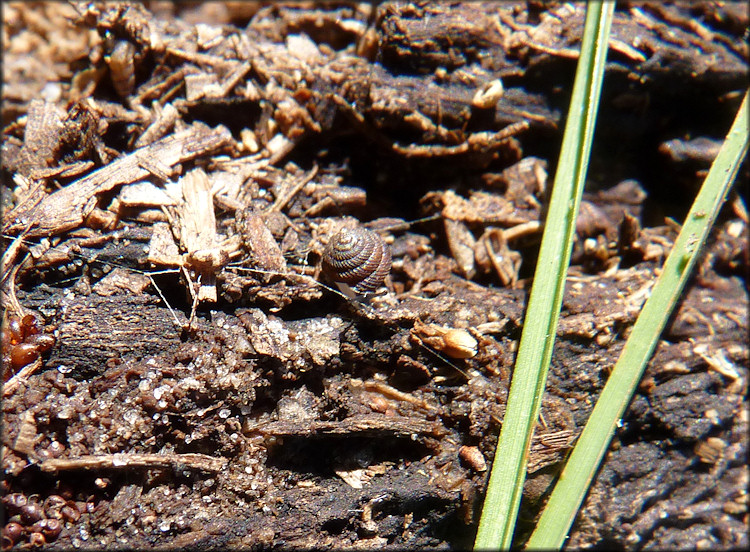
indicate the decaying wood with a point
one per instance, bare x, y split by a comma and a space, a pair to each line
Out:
431, 123
198, 232
265, 253
129, 461
43, 127
95, 329
364, 425
67, 208
20, 377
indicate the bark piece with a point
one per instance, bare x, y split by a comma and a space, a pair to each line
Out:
94, 329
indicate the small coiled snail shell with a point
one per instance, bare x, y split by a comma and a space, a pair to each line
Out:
358, 258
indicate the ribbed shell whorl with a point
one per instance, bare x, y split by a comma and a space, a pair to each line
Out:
359, 258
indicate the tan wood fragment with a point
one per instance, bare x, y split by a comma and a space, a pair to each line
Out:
358, 424
120, 280
63, 171
266, 253
128, 461
201, 85
210, 85
20, 377
162, 248
287, 196
67, 208
145, 194
41, 137
461, 243
165, 119
198, 232
27, 434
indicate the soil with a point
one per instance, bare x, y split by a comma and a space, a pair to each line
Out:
180, 373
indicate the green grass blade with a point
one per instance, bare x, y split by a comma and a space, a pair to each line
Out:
579, 471
503, 498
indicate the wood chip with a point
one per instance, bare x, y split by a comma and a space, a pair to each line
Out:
366, 424
128, 461
198, 232
145, 194
266, 253
120, 280
162, 248
41, 137
67, 208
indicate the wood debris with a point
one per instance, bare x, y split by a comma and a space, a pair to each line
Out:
197, 231
67, 208
174, 173
135, 461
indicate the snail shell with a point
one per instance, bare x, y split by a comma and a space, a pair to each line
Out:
358, 258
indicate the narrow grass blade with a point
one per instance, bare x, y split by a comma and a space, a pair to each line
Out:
509, 468
579, 471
